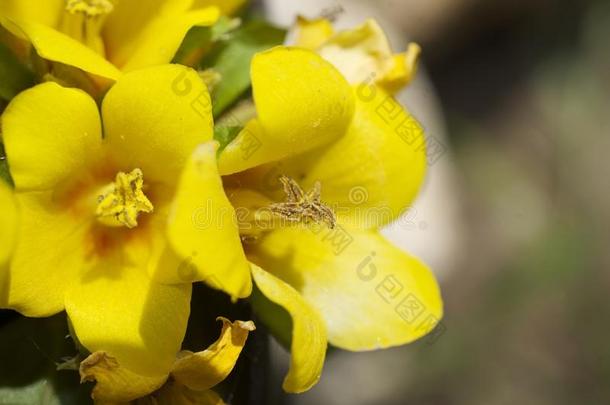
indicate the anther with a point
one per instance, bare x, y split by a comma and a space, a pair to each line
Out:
120, 203
303, 207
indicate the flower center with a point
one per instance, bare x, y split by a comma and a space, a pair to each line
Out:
120, 202
84, 20
89, 8
303, 206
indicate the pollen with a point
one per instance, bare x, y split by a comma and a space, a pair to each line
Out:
303, 207
89, 8
120, 202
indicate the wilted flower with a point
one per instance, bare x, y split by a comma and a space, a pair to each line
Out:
192, 375
362, 54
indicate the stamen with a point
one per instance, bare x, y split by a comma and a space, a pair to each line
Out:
303, 207
89, 8
121, 202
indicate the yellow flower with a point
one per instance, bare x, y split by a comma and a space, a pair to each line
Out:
106, 212
191, 377
354, 151
362, 54
105, 37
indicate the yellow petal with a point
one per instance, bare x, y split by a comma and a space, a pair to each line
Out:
227, 7
57, 47
151, 249
154, 118
203, 370
370, 175
129, 19
371, 294
45, 12
8, 236
308, 348
117, 309
129, 25
50, 133
251, 209
159, 42
8, 229
312, 34
361, 54
203, 230
403, 70
49, 254
375, 171
115, 383
302, 102
174, 393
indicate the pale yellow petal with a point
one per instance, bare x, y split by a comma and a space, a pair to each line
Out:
308, 348
403, 70
203, 370
312, 34
362, 54
371, 294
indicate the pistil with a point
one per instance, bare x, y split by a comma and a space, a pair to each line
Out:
89, 8
121, 202
303, 207
83, 21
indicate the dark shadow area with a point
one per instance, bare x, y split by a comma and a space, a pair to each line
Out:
30, 350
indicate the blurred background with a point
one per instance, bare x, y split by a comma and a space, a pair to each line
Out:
514, 218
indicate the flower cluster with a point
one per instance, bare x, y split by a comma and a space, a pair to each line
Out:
117, 150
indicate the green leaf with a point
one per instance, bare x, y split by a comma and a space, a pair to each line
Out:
202, 37
231, 58
225, 135
14, 77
